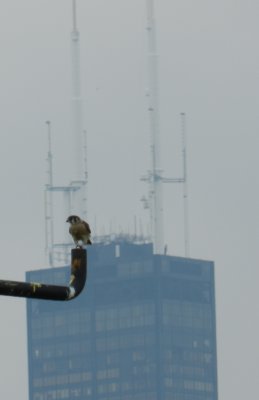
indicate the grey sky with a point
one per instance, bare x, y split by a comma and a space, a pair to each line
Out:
208, 67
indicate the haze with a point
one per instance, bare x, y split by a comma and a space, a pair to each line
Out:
208, 68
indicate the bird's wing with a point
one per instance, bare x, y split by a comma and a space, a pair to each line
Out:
87, 227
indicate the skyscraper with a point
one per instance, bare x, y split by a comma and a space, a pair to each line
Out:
143, 329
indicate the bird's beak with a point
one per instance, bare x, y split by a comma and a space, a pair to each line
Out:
67, 220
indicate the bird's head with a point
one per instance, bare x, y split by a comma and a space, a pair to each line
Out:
73, 219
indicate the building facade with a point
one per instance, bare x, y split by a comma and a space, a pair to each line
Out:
143, 329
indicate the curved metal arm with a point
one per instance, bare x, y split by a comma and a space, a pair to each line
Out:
52, 292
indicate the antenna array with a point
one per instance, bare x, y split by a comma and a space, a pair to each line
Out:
154, 177
74, 194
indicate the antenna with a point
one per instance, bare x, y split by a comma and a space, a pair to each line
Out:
74, 16
55, 251
155, 178
182, 180
76, 102
78, 153
185, 187
85, 176
74, 193
48, 200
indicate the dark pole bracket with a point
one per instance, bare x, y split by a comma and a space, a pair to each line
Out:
52, 292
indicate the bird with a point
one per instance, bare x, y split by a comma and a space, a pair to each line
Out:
79, 230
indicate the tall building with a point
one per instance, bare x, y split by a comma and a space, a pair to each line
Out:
143, 329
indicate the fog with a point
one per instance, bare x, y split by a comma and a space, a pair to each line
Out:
208, 68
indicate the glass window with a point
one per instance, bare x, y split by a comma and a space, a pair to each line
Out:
62, 379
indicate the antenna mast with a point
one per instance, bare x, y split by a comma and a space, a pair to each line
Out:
185, 188
155, 178
74, 193
78, 177
48, 199
85, 176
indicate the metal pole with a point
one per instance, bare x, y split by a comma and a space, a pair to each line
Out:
84, 187
185, 187
77, 156
49, 227
153, 108
52, 292
77, 124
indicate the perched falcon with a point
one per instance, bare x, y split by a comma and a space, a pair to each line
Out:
79, 230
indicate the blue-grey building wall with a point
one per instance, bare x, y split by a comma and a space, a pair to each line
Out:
144, 328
